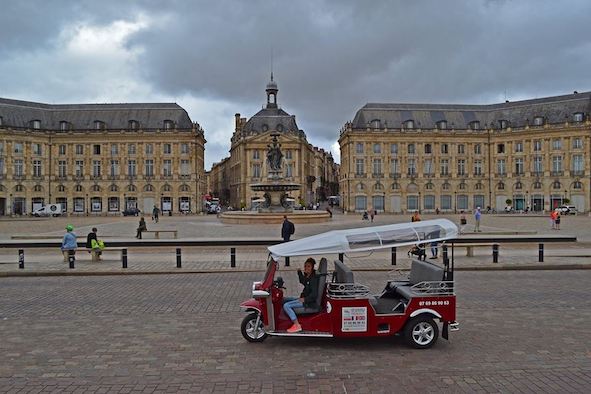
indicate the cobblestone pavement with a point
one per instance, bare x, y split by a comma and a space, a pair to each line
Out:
525, 331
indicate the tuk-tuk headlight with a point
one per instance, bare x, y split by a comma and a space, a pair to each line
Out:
328, 307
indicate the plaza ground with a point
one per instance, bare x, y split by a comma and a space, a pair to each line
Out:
520, 332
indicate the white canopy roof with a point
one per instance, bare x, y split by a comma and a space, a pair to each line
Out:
368, 238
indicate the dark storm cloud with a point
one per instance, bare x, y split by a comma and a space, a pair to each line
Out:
330, 56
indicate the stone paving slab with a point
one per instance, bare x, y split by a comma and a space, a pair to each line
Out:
520, 332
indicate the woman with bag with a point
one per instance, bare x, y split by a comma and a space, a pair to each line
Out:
463, 222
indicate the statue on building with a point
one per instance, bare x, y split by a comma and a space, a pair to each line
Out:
274, 155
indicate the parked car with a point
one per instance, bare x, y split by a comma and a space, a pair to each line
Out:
567, 209
131, 212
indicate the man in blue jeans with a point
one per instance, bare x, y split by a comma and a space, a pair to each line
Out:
308, 297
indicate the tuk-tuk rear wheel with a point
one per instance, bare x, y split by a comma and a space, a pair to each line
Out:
421, 332
247, 328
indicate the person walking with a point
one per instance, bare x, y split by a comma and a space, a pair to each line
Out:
463, 222
557, 221
372, 214
415, 217
477, 216
155, 214
141, 228
69, 243
287, 229
553, 216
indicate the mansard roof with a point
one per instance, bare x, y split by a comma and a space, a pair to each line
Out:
19, 114
553, 109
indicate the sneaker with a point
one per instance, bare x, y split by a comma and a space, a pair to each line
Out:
294, 328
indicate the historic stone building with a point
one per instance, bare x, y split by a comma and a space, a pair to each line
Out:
312, 168
428, 157
99, 158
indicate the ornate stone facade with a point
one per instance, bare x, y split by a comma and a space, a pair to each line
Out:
428, 157
98, 159
312, 168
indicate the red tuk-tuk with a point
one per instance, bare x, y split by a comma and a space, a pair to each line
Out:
345, 308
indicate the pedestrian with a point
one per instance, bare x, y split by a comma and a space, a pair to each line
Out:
553, 216
415, 217
329, 211
477, 216
434, 250
287, 229
69, 243
371, 215
92, 243
557, 221
463, 222
142, 227
365, 216
155, 214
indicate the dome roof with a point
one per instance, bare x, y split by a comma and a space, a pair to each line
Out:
271, 119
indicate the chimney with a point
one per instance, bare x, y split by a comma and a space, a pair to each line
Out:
237, 120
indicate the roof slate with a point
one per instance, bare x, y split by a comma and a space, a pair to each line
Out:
19, 113
554, 109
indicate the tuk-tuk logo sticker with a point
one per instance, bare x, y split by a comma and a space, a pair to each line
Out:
354, 319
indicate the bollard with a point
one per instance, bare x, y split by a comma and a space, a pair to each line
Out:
233, 257
394, 255
342, 257
287, 261
495, 250
21, 259
71, 258
124, 258
445, 254
541, 253
178, 258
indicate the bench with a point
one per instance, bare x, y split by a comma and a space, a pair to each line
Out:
157, 233
94, 256
470, 247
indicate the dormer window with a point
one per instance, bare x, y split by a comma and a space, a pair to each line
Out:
503, 124
64, 125
538, 121
168, 125
36, 124
1, 121
133, 125
577, 117
442, 124
475, 125
376, 123
99, 125
409, 124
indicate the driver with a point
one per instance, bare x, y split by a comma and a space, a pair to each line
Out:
308, 297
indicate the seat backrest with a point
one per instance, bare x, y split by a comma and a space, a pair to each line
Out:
322, 272
422, 271
344, 273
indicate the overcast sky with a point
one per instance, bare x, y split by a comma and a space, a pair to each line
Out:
330, 57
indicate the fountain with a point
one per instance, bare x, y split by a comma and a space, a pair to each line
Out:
276, 201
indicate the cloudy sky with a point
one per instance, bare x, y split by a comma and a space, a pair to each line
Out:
330, 56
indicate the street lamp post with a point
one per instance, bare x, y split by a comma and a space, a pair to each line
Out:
455, 202
86, 202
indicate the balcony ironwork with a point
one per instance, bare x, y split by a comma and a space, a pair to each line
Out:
358, 175
519, 173
577, 172
557, 173
377, 175
395, 175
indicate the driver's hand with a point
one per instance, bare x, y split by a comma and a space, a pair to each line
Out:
301, 299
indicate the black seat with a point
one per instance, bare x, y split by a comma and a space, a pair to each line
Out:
343, 273
420, 271
322, 272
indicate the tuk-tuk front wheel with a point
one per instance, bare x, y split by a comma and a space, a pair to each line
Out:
252, 328
421, 332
